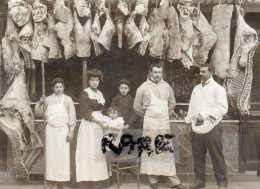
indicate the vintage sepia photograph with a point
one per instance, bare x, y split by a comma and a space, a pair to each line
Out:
129, 94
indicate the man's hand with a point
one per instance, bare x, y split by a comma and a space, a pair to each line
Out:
69, 137
126, 126
199, 117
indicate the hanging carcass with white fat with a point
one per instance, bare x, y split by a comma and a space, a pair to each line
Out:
16, 121
185, 8
239, 81
51, 39
94, 34
141, 7
39, 51
82, 27
144, 29
159, 40
120, 16
245, 39
221, 23
64, 28
172, 23
108, 31
131, 32
19, 12
203, 39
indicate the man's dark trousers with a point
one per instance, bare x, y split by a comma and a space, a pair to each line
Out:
213, 142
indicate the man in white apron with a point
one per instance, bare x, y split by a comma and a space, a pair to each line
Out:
155, 101
208, 105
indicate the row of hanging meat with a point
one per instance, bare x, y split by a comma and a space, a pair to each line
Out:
166, 34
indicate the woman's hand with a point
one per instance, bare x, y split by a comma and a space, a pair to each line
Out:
69, 137
126, 126
42, 99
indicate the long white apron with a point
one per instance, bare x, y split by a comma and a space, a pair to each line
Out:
156, 121
90, 161
57, 148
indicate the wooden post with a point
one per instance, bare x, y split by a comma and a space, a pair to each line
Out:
84, 73
44, 122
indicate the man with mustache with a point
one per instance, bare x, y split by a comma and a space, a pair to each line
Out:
155, 101
208, 105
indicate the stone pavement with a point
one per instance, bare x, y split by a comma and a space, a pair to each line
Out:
210, 185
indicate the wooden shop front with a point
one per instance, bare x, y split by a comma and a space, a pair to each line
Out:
240, 135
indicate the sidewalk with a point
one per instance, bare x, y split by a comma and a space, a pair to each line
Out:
210, 185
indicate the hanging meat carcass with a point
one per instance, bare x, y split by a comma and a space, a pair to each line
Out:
94, 34
51, 39
64, 28
16, 121
164, 11
82, 27
141, 7
132, 33
221, 22
174, 50
20, 11
239, 82
120, 15
186, 30
204, 38
144, 29
83, 8
101, 7
108, 31
245, 39
25, 44
159, 40
39, 52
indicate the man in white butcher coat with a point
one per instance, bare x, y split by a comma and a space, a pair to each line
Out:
155, 101
208, 105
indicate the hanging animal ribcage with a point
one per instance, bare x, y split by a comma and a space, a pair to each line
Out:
239, 88
16, 120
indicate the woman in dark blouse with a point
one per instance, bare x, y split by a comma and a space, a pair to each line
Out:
90, 161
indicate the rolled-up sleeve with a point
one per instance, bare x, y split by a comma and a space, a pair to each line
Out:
171, 101
72, 113
138, 102
39, 108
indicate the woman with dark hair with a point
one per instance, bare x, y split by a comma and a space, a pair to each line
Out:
61, 120
90, 161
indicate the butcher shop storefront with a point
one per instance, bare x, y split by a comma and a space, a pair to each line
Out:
46, 39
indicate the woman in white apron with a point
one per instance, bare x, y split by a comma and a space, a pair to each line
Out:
61, 120
90, 161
